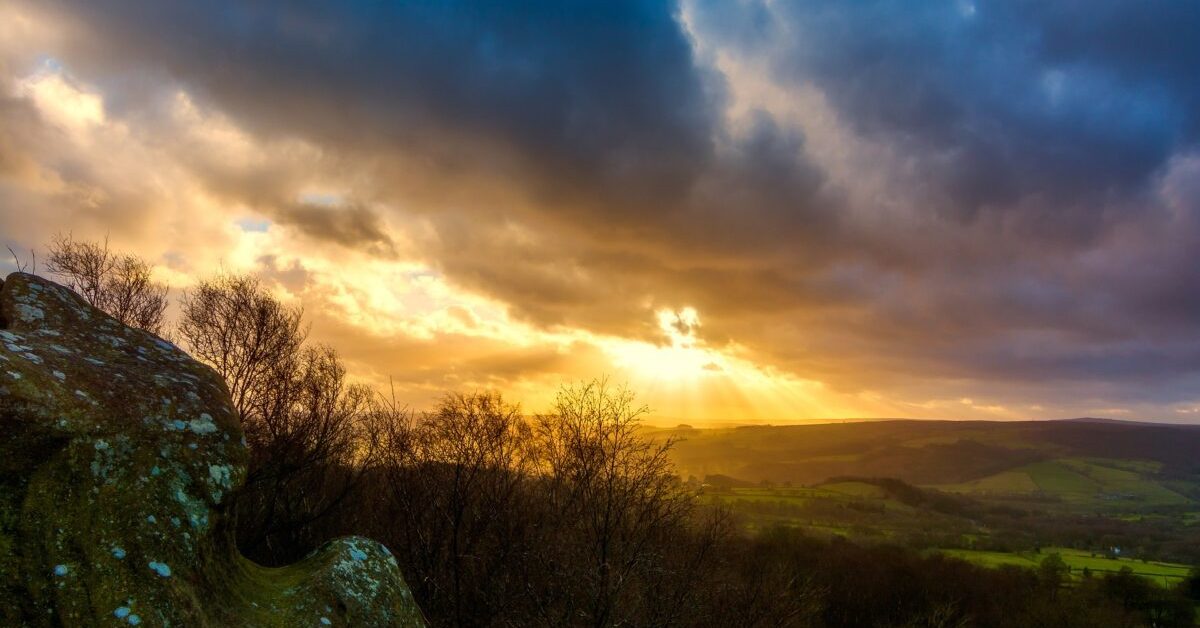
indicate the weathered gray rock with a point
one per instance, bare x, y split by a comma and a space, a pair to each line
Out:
118, 453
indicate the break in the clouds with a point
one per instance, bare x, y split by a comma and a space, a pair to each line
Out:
753, 209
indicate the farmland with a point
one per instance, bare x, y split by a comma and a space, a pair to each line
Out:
1078, 561
1090, 484
992, 493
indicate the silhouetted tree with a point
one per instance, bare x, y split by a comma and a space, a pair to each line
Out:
1053, 573
461, 507
305, 424
252, 340
617, 494
569, 519
121, 285
309, 454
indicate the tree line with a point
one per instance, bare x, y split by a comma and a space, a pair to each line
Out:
570, 517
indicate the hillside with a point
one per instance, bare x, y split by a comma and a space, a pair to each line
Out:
978, 488
1109, 465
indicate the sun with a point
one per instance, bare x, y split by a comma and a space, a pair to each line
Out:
682, 357
684, 378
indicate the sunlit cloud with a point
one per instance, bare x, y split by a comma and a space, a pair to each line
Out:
61, 103
723, 216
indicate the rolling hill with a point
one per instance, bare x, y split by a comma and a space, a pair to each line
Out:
1079, 464
969, 486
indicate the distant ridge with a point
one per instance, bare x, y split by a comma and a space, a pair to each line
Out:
1104, 421
935, 452
660, 423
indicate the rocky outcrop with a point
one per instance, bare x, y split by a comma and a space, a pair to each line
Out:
118, 454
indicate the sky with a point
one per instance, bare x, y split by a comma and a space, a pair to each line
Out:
747, 210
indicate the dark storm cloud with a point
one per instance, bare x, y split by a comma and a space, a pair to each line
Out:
1003, 103
1045, 131
596, 111
1037, 225
1148, 45
602, 95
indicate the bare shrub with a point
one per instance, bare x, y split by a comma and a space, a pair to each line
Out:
121, 285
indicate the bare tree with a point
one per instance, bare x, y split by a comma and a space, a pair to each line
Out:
572, 518
461, 510
304, 421
121, 285
253, 341
308, 453
619, 498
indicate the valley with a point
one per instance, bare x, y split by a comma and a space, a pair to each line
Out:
1100, 494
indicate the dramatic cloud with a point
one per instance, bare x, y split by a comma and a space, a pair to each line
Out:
754, 209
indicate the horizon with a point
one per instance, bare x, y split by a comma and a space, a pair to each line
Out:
750, 213
654, 422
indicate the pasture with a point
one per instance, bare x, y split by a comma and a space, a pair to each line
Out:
1166, 574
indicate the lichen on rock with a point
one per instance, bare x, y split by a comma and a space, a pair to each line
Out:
118, 457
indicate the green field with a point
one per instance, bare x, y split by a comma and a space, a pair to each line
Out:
1166, 574
855, 489
1005, 482
1080, 483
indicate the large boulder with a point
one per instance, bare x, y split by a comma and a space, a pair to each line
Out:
118, 455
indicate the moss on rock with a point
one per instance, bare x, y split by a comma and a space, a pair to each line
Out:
118, 457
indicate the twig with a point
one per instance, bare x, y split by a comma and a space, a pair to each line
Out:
17, 261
